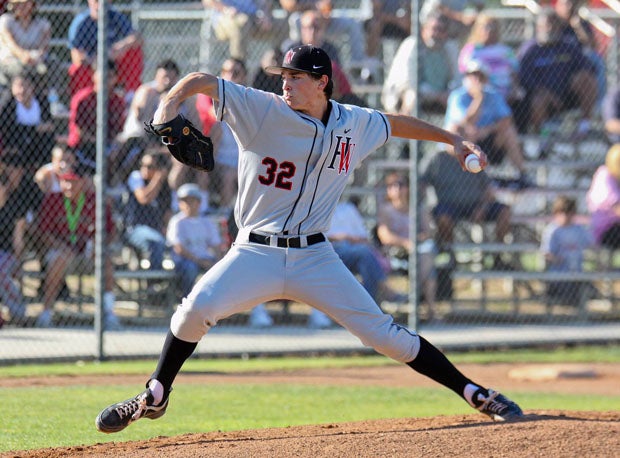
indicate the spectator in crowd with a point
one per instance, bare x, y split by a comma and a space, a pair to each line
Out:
148, 209
24, 43
269, 82
555, 75
578, 30
389, 19
83, 119
124, 49
563, 244
313, 27
461, 15
480, 113
393, 233
436, 76
239, 21
25, 124
66, 229
18, 198
484, 45
133, 139
610, 112
338, 29
351, 241
603, 200
47, 177
195, 240
472, 200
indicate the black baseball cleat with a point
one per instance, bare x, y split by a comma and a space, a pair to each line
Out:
118, 416
496, 405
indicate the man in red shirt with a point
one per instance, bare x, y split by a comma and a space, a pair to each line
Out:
83, 117
67, 231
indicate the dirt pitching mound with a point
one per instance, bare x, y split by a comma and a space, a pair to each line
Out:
541, 433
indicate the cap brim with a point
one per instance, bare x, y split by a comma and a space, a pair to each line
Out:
275, 70
272, 70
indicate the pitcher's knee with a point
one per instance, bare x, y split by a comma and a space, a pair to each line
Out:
191, 322
394, 341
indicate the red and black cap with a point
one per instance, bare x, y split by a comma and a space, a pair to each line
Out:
305, 58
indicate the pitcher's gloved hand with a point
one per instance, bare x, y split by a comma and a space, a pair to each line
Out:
186, 143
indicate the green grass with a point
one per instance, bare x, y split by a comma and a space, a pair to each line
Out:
37, 417
582, 354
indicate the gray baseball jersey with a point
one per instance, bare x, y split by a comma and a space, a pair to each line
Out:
292, 172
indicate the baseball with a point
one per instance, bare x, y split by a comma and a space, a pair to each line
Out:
472, 163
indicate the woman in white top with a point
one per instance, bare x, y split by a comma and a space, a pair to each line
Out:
24, 42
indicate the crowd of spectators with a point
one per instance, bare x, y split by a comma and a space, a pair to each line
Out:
486, 89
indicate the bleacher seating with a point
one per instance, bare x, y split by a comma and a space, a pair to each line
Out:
173, 29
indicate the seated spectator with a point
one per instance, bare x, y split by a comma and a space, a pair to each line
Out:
578, 30
47, 177
472, 200
238, 22
24, 44
480, 114
555, 75
389, 19
461, 15
25, 125
350, 239
18, 198
83, 119
563, 243
124, 49
603, 200
338, 29
147, 211
484, 45
313, 27
393, 233
266, 81
610, 112
66, 230
224, 176
134, 139
195, 240
436, 76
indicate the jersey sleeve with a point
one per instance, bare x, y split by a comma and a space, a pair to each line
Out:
242, 108
373, 128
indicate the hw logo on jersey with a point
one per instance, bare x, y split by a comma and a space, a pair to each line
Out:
343, 152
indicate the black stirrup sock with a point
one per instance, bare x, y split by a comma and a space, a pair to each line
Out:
434, 364
173, 355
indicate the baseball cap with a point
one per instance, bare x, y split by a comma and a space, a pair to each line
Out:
476, 66
305, 58
189, 190
69, 176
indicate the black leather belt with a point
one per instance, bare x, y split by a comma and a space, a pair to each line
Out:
287, 242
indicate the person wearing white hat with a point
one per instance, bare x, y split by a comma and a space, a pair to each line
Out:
195, 240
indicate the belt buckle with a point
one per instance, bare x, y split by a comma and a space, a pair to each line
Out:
288, 242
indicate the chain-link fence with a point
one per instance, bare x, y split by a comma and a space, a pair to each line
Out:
532, 241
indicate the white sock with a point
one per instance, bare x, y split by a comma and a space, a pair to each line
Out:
157, 390
468, 393
108, 302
